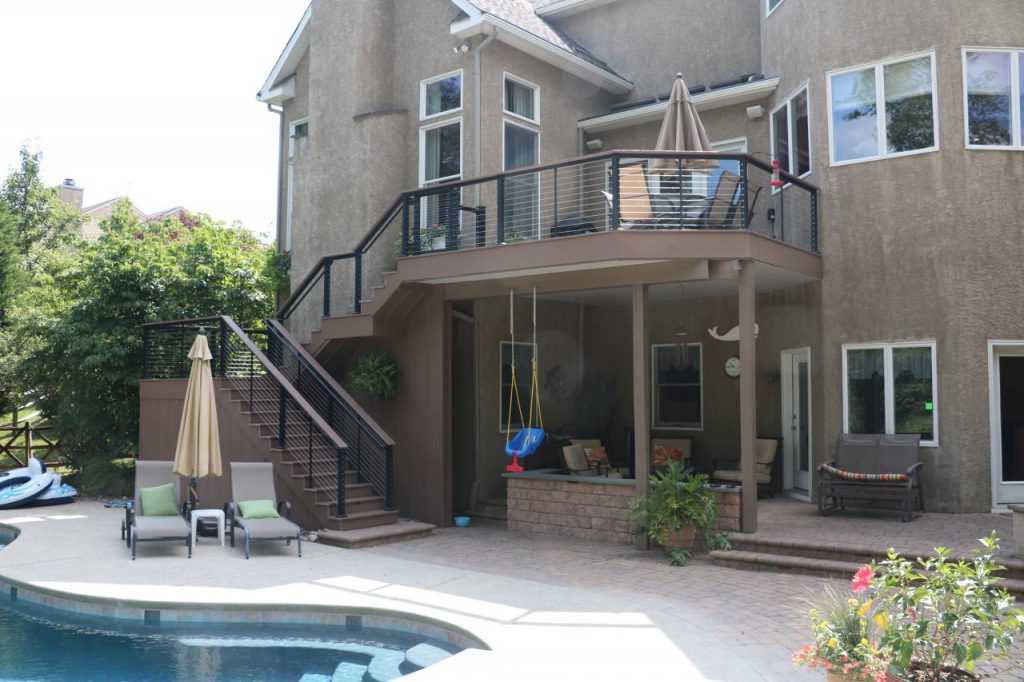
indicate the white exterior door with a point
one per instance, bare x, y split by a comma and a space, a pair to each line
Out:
1006, 407
796, 421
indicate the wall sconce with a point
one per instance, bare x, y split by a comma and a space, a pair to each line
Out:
756, 111
463, 48
595, 145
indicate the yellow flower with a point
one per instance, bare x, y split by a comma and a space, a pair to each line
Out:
813, 611
881, 619
864, 640
823, 624
864, 608
832, 642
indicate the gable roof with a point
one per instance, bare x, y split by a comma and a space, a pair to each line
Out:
278, 86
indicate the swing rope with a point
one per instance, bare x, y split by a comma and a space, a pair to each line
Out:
513, 391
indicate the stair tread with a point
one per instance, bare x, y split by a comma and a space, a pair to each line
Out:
786, 560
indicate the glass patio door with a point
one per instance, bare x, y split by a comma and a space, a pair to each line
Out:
796, 420
1008, 425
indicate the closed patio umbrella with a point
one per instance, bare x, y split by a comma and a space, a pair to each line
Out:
197, 453
682, 130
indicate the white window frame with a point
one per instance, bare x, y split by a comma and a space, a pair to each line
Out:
768, 7
502, 424
506, 76
423, 95
423, 182
880, 108
889, 391
1016, 124
517, 124
787, 104
655, 384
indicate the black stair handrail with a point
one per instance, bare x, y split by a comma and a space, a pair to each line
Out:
296, 426
371, 449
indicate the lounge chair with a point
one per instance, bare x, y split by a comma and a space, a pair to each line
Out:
165, 524
254, 482
724, 206
765, 452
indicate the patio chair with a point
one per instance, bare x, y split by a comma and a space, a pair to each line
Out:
165, 518
664, 449
724, 206
641, 210
766, 449
868, 468
576, 461
253, 482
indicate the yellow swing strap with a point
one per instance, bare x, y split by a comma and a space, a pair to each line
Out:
534, 386
513, 391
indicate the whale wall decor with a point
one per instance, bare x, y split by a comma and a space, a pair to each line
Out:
731, 335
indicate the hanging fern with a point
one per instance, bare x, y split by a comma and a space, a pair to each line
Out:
374, 374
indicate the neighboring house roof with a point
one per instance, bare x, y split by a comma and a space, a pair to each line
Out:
97, 212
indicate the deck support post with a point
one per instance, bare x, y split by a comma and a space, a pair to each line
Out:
748, 399
641, 399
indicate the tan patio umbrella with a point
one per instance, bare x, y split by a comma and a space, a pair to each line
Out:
682, 130
198, 450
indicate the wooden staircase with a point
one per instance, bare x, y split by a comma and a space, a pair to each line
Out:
364, 508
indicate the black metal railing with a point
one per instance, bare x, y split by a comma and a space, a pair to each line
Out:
265, 391
371, 450
640, 190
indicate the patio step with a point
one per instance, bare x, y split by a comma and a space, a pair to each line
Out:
759, 561
403, 529
365, 519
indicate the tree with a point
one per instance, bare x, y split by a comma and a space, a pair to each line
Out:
88, 363
43, 221
8, 262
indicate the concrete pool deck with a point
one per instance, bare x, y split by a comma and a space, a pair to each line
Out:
549, 608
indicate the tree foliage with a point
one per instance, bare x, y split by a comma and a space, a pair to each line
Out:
88, 363
42, 221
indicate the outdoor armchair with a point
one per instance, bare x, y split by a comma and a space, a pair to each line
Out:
253, 482
158, 524
766, 449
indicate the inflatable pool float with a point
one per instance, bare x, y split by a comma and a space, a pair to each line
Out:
33, 485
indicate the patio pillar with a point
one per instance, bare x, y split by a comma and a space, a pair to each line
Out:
748, 399
641, 399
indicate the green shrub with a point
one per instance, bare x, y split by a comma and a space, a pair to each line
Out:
374, 374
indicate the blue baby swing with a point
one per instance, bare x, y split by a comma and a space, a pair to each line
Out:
528, 439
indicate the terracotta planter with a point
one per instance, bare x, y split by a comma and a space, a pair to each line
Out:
892, 677
684, 538
839, 677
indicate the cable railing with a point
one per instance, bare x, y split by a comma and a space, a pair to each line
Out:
634, 190
371, 451
295, 427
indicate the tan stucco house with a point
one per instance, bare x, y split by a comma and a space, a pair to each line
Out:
438, 154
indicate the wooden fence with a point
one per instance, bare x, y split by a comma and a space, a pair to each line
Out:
21, 441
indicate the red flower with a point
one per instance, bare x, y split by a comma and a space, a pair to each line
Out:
862, 578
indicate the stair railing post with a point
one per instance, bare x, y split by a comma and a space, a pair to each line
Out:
481, 225
744, 195
327, 287
500, 218
342, 467
613, 187
357, 303
405, 225
223, 343
251, 358
282, 406
309, 452
414, 232
359, 446
389, 477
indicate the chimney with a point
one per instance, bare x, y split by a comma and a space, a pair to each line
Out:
70, 194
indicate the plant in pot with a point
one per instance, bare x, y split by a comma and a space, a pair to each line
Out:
680, 506
944, 615
433, 237
374, 374
847, 644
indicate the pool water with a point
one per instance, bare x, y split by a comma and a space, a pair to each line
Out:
37, 647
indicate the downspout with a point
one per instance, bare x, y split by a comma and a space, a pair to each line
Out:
476, 102
280, 295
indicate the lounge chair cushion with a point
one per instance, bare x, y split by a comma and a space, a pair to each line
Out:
596, 456
153, 527
268, 529
258, 509
158, 501
855, 476
664, 453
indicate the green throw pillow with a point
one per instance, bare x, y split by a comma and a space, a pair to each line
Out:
158, 501
258, 509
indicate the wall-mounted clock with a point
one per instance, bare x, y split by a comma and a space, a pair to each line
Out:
732, 367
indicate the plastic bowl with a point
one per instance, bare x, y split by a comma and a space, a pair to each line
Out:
462, 521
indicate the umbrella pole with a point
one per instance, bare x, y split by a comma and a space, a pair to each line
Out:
193, 498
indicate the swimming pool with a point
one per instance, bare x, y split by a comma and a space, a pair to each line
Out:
39, 647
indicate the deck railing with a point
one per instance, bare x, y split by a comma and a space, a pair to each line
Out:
638, 190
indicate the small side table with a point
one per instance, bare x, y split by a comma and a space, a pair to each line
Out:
208, 514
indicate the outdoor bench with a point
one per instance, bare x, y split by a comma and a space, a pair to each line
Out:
868, 468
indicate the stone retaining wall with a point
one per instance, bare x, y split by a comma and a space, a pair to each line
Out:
590, 511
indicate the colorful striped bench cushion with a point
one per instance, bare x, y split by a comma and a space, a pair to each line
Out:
854, 476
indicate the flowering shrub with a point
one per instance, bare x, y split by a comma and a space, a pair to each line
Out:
943, 613
847, 638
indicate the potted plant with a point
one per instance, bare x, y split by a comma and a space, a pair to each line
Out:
944, 615
374, 374
433, 237
847, 639
680, 506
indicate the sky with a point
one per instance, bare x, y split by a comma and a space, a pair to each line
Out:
151, 100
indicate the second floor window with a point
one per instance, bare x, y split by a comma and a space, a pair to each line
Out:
521, 99
791, 139
441, 95
887, 109
994, 83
